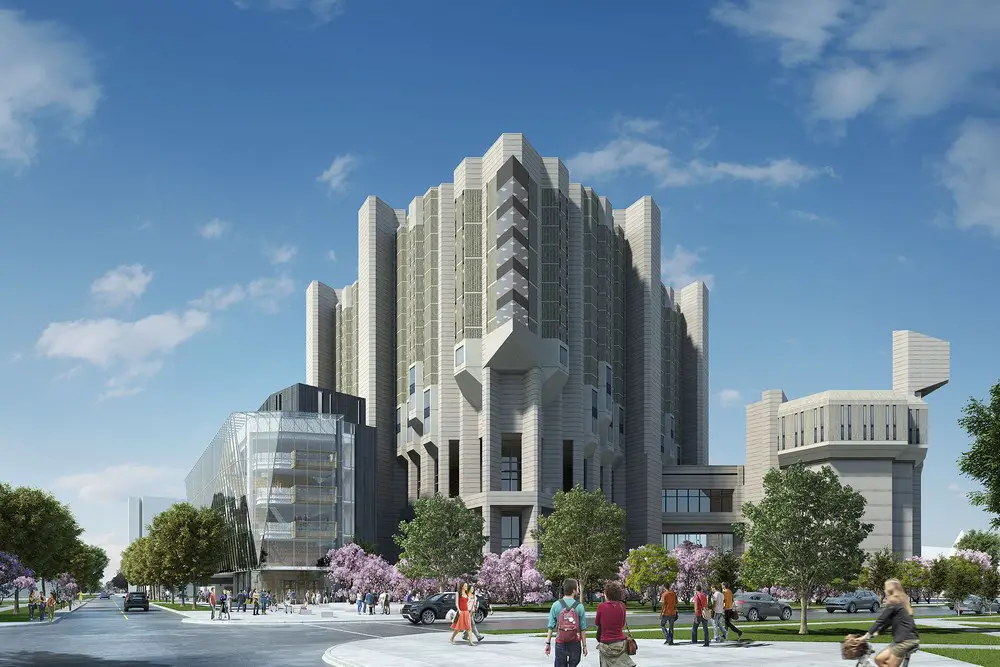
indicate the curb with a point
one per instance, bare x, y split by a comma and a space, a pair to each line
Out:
330, 659
57, 619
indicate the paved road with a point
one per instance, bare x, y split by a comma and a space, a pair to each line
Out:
99, 635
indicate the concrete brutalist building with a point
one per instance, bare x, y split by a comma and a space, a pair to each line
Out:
511, 337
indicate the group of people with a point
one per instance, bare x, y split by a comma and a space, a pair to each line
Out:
718, 609
38, 603
366, 602
568, 626
226, 601
467, 605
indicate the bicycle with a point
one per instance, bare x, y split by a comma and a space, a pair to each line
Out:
861, 651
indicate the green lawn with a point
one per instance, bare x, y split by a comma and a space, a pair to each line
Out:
974, 656
10, 617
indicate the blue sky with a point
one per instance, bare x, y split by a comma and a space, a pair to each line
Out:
173, 174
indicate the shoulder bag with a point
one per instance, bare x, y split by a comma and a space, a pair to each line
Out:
631, 646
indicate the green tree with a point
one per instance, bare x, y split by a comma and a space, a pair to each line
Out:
185, 543
915, 578
989, 587
39, 529
136, 563
444, 541
937, 576
119, 581
649, 567
981, 421
806, 533
726, 569
879, 568
87, 566
584, 537
987, 541
965, 578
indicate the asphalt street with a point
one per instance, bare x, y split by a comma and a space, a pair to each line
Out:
100, 635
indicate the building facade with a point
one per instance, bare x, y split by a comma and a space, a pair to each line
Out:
511, 337
292, 481
874, 440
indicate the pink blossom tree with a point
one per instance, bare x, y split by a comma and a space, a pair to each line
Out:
512, 577
694, 566
980, 558
14, 578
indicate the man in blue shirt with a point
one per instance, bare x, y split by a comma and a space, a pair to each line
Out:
568, 620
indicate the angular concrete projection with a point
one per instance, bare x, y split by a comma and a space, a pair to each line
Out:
920, 364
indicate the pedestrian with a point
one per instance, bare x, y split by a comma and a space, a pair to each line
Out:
32, 601
370, 603
897, 615
473, 608
668, 614
224, 609
255, 597
462, 618
386, 602
731, 614
568, 621
719, 616
360, 601
241, 601
288, 601
212, 601
610, 623
702, 612
52, 607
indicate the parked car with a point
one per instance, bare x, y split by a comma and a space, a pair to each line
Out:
136, 600
105, 595
436, 607
974, 605
758, 606
852, 602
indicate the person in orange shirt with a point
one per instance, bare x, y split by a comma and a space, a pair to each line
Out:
727, 594
668, 614
701, 614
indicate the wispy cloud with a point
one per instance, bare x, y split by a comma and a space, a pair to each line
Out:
729, 398
16, 357
971, 172
336, 175
46, 75
267, 293
68, 374
634, 125
213, 229
123, 285
282, 254
114, 484
680, 269
323, 10
331, 255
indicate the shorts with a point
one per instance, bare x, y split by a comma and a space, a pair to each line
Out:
901, 649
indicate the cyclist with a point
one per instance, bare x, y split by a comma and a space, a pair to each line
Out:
897, 614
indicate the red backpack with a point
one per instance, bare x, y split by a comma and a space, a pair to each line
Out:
568, 623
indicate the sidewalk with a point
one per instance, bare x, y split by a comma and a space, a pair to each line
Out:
433, 649
60, 613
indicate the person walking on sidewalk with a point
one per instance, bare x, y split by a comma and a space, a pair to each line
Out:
462, 618
360, 601
32, 601
212, 601
255, 598
386, 602
718, 615
668, 614
568, 620
731, 614
610, 623
52, 607
473, 608
702, 612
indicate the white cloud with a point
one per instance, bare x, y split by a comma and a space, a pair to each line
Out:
122, 286
332, 255
213, 229
68, 374
971, 171
335, 176
628, 154
632, 125
267, 293
910, 58
281, 254
133, 350
44, 74
113, 485
324, 10
729, 398
678, 269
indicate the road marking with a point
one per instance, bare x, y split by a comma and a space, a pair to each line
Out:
350, 632
118, 608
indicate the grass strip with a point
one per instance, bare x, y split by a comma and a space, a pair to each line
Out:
973, 656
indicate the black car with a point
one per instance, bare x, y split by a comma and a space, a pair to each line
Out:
136, 600
437, 606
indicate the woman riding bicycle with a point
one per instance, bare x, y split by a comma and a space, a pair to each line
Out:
897, 614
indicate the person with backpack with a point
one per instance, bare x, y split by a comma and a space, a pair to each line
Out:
568, 621
702, 612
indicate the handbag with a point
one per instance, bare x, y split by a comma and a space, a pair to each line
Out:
631, 645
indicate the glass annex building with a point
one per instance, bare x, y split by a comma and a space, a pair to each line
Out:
291, 485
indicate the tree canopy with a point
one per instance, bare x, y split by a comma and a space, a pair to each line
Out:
184, 544
87, 565
584, 537
39, 529
649, 567
880, 567
806, 533
981, 421
987, 541
444, 541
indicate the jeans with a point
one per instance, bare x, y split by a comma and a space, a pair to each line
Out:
694, 629
360, 603
730, 626
668, 631
475, 630
720, 626
31, 611
568, 655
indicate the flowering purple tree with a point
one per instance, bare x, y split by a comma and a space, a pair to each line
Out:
14, 577
344, 565
512, 578
980, 558
694, 565
779, 593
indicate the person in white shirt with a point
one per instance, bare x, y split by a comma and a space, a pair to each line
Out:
719, 615
473, 607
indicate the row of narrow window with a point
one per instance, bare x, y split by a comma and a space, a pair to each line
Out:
873, 426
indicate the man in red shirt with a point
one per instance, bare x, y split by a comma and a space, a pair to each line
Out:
700, 605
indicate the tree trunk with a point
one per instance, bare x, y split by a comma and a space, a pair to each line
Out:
17, 606
43, 587
803, 620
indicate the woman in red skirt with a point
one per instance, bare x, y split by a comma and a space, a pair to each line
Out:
463, 622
